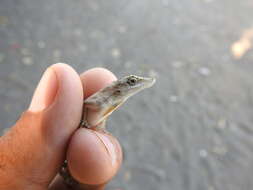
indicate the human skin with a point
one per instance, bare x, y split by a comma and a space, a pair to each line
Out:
33, 150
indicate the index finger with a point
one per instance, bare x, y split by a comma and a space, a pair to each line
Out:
96, 79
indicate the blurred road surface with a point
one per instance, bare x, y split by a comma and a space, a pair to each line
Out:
194, 129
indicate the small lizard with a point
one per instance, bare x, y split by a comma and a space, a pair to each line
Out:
100, 105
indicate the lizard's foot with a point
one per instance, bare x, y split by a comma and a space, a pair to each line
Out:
84, 124
68, 179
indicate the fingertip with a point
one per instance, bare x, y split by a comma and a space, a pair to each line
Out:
57, 76
96, 78
93, 157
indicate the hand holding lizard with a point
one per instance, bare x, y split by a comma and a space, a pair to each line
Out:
32, 151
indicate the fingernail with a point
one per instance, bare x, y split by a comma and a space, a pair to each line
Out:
45, 91
109, 145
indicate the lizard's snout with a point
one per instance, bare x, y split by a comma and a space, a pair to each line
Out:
150, 81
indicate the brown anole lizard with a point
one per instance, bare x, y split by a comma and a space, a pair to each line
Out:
100, 105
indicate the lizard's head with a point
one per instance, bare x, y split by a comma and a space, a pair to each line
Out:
132, 84
111, 97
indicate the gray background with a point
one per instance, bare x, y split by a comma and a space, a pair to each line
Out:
193, 130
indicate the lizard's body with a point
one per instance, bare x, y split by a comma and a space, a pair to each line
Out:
100, 105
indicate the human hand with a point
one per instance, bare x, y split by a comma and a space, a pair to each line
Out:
33, 150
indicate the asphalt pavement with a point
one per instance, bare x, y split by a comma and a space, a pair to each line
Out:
194, 129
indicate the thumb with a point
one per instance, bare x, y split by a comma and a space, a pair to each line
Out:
34, 148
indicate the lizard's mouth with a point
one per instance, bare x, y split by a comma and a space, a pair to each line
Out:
151, 82
145, 83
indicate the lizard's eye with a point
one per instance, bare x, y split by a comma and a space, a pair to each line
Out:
131, 81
